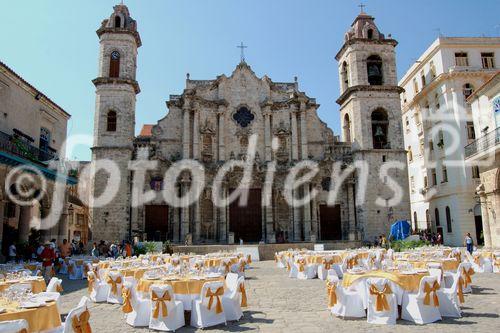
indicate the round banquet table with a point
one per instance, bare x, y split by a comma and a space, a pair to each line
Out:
216, 262
408, 282
447, 264
37, 286
318, 259
185, 289
39, 319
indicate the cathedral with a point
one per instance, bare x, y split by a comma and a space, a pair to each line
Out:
212, 121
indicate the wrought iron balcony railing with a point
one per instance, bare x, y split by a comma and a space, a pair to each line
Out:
483, 143
18, 146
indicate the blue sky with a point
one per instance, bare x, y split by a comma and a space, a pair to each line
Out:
53, 44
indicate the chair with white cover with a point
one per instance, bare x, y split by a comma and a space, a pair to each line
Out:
63, 266
234, 300
450, 298
137, 309
422, 307
306, 270
382, 307
207, 310
54, 289
115, 282
293, 270
231, 281
466, 270
436, 269
55, 285
166, 314
14, 326
241, 267
74, 271
343, 302
77, 319
279, 259
98, 289
325, 267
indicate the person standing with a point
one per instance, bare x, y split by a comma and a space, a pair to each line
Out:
65, 249
469, 243
12, 252
95, 251
48, 256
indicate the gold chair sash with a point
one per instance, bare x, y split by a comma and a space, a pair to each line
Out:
59, 288
160, 303
127, 305
219, 292
81, 324
242, 265
85, 270
24, 330
90, 281
288, 268
460, 290
428, 290
328, 263
352, 262
301, 263
243, 295
477, 260
332, 294
249, 259
114, 284
467, 274
381, 303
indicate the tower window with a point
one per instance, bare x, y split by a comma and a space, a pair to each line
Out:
114, 64
448, 219
347, 128
436, 216
374, 68
370, 33
118, 22
111, 121
380, 126
345, 75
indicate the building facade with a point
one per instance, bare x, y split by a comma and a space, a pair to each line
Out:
32, 131
484, 153
437, 125
213, 122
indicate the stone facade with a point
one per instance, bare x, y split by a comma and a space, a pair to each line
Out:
212, 122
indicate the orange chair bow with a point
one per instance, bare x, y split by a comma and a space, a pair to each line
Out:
80, 323
352, 262
242, 265
114, 284
276, 258
227, 266
59, 288
288, 268
328, 263
381, 303
243, 295
332, 294
90, 281
160, 304
219, 292
127, 305
301, 263
23, 331
428, 290
249, 259
477, 260
460, 290
467, 274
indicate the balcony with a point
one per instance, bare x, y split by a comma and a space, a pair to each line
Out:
16, 145
483, 144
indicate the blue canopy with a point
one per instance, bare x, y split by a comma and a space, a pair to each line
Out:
400, 230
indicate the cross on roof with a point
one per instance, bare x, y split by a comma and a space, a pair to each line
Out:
242, 47
362, 7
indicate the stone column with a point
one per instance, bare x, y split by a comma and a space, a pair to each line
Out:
314, 219
485, 219
222, 153
295, 142
184, 212
24, 223
2, 205
351, 208
270, 232
196, 135
223, 220
176, 225
267, 134
297, 235
303, 131
307, 216
186, 133
197, 222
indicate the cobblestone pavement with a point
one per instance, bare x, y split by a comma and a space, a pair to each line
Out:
280, 304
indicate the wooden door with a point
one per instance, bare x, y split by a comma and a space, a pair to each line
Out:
330, 222
246, 221
156, 222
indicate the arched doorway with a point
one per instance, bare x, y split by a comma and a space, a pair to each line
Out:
246, 221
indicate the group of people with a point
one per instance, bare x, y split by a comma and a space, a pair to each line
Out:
431, 237
381, 241
113, 250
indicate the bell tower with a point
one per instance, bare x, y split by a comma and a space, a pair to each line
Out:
114, 119
371, 121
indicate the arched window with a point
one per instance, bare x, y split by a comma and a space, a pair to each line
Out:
467, 90
370, 33
345, 75
448, 219
118, 22
380, 125
114, 64
415, 221
347, 128
111, 121
436, 216
374, 69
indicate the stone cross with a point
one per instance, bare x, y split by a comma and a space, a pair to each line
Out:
242, 47
362, 7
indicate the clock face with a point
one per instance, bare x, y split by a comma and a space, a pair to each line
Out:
115, 55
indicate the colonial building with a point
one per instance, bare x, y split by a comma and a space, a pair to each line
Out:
438, 124
32, 131
212, 122
484, 153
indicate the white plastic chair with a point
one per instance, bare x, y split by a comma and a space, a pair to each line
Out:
115, 294
380, 290
79, 313
206, 313
231, 302
414, 308
449, 303
55, 285
166, 314
99, 290
13, 326
349, 303
141, 307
